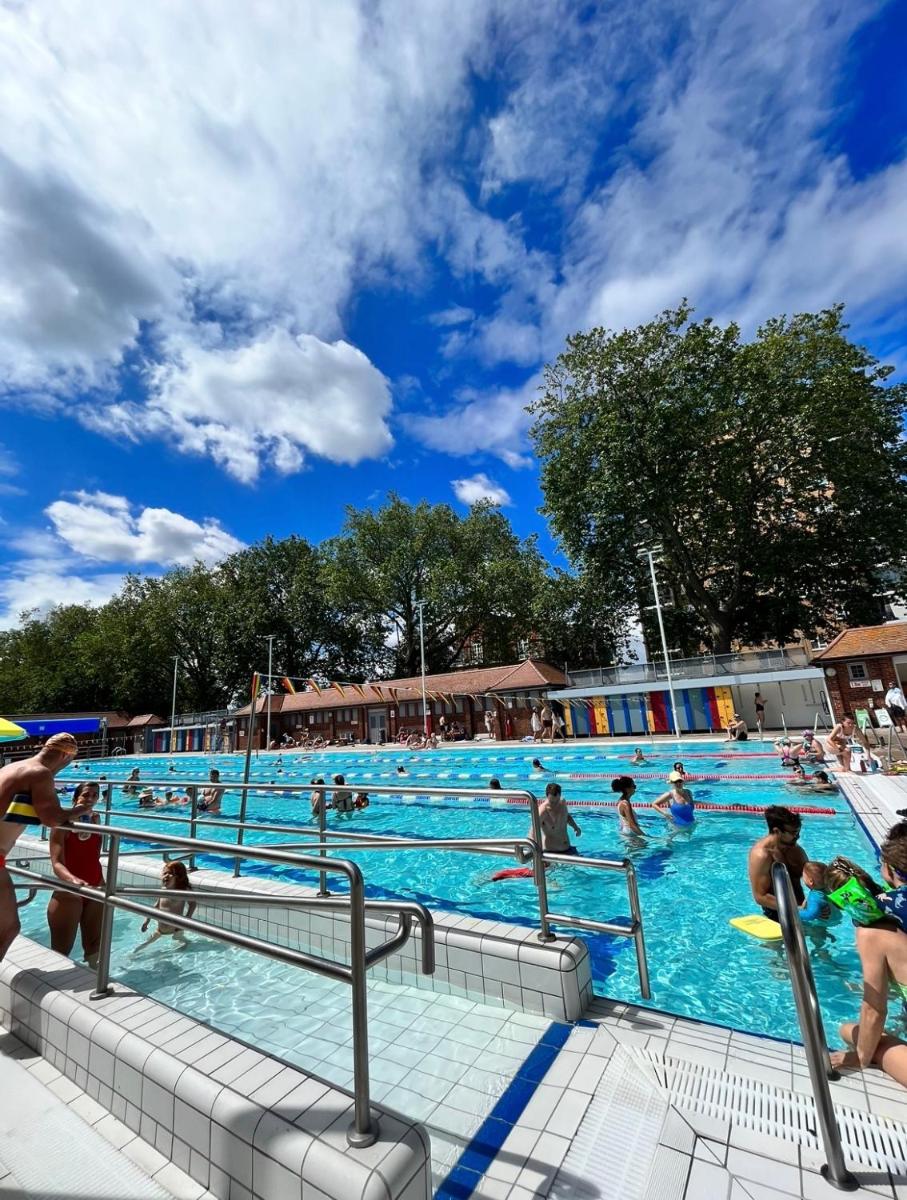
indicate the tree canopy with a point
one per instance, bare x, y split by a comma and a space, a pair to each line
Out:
770, 473
477, 577
343, 610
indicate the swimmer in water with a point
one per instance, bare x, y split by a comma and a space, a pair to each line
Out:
637, 760
676, 805
538, 768
494, 784
624, 786
679, 768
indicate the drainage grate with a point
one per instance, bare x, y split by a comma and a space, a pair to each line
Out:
614, 1147
871, 1142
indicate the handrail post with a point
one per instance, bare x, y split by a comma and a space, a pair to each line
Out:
642, 963
811, 1029
242, 820
102, 983
538, 867
364, 1129
192, 792
323, 889
108, 804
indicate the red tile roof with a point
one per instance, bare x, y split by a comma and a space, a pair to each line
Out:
472, 681
865, 641
146, 719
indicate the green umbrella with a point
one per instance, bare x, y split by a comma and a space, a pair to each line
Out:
10, 732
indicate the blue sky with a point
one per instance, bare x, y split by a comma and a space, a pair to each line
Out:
260, 261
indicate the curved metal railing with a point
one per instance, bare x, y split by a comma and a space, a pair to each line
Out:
364, 1129
811, 1028
528, 848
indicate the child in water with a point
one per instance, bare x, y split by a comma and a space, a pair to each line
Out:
816, 906
175, 877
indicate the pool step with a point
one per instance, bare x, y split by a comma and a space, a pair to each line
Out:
613, 1151
870, 1142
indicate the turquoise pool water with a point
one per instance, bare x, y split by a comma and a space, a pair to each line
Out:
691, 882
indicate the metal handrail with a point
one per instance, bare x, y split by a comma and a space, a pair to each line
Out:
364, 1129
811, 1028
540, 859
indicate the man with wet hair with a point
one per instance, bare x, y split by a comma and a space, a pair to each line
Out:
28, 797
779, 845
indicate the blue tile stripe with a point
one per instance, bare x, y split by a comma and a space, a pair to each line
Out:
488, 1139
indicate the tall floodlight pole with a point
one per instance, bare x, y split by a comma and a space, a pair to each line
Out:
650, 554
271, 637
176, 664
420, 604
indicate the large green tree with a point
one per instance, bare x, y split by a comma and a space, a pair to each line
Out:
769, 472
477, 577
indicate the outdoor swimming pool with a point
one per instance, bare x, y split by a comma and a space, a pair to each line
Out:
691, 882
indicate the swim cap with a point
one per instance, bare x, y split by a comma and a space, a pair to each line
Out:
62, 743
807, 733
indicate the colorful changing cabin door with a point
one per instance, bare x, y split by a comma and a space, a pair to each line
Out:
724, 701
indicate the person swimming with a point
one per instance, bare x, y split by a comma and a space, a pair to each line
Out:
638, 758
677, 804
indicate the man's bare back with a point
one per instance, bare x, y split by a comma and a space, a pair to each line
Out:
28, 797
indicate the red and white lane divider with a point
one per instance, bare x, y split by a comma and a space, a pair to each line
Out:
748, 810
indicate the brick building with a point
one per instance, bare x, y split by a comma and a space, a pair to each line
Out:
378, 712
861, 664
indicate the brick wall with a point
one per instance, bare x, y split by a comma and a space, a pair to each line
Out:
847, 694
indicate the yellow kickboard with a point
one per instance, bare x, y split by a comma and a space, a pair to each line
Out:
758, 926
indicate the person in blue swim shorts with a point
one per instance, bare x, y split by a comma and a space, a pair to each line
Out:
676, 805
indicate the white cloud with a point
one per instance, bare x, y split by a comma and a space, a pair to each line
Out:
479, 487
9, 469
27, 587
272, 400
493, 422
105, 528
457, 315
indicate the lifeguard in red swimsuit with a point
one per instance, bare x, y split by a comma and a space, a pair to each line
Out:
75, 855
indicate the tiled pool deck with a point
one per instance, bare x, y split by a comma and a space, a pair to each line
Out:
503, 1094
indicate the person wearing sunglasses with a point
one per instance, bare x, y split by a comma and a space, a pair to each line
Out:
779, 845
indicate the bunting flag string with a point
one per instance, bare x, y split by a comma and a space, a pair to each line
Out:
288, 685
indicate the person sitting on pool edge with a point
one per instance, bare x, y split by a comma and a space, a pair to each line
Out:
624, 786
677, 803
778, 845
883, 958
737, 730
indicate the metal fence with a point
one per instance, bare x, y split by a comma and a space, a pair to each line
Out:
706, 666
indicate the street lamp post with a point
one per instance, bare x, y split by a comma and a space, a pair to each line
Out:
650, 555
420, 604
176, 664
271, 637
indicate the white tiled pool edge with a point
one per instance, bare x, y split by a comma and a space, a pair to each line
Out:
239, 1122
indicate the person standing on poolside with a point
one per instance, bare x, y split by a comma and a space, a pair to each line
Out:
779, 845
676, 804
547, 723
554, 819
896, 703
760, 712
624, 786
28, 797
489, 724
535, 723
75, 855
